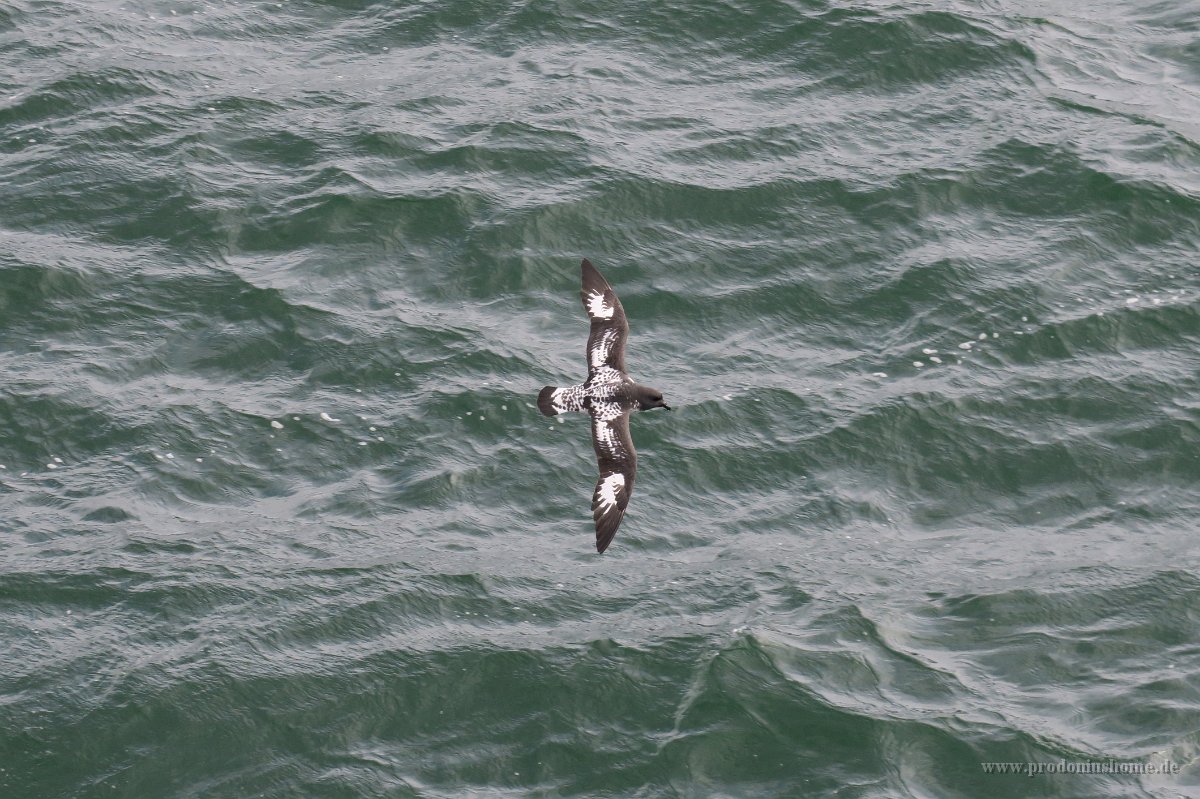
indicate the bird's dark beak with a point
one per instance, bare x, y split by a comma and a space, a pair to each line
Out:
665, 405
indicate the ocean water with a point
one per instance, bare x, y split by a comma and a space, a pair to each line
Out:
279, 282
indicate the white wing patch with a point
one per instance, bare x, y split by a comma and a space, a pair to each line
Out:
604, 376
597, 307
599, 353
610, 486
605, 413
606, 437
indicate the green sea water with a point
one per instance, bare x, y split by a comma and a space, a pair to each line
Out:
280, 281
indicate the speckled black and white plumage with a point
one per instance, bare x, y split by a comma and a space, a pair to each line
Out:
608, 395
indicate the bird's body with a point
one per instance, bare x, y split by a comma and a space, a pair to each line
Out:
609, 395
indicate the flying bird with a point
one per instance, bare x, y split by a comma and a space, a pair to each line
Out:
609, 395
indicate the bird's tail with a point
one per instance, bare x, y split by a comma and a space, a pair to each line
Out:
545, 401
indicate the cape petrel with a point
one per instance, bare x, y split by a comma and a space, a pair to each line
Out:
609, 395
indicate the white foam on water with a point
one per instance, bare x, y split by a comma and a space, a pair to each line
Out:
328, 418
918, 364
276, 425
966, 345
928, 351
879, 374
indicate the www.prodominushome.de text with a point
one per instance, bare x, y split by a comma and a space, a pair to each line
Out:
1034, 768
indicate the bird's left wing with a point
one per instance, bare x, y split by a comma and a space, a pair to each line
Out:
610, 329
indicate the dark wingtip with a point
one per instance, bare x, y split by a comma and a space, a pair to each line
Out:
603, 542
606, 531
592, 279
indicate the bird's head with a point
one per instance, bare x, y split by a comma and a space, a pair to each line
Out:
650, 398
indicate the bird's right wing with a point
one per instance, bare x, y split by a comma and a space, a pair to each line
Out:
618, 465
